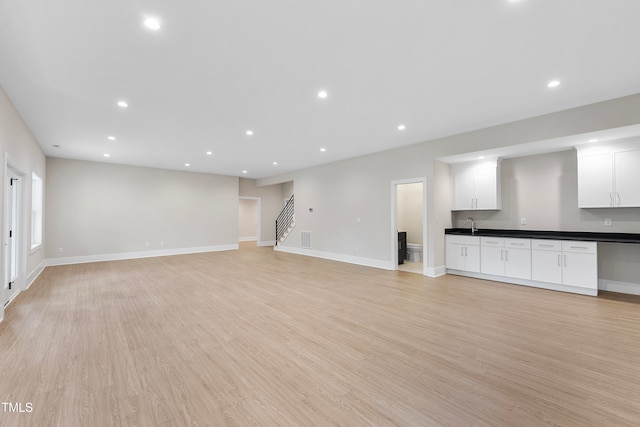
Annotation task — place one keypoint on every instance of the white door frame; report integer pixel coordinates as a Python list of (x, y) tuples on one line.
[(21, 243), (394, 220), (259, 203)]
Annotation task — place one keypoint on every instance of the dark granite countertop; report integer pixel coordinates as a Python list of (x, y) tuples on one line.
[(550, 235)]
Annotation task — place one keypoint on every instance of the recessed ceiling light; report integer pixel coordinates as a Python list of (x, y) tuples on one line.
[(553, 83), (122, 104), (249, 132), (481, 158), (275, 163), (244, 171), (187, 164), (323, 149), (209, 153), (401, 127), (594, 140), (323, 94), (111, 138), (152, 23), (107, 155)]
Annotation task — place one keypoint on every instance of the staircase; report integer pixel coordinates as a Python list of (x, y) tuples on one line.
[(285, 222)]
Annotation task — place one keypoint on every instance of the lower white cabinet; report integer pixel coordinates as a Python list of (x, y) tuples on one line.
[(570, 263), (463, 253), (505, 257), (563, 265)]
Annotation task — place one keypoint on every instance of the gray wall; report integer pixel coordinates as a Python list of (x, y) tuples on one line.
[(360, 187), (98, 208), (17, 142), (271, 200)]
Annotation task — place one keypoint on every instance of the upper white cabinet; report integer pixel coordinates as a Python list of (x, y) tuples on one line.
[(608, 176), (476, 186)]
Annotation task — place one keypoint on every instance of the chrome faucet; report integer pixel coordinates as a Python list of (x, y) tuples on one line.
[(473, 226)]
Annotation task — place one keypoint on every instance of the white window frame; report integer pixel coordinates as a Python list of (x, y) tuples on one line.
[(37, 206)]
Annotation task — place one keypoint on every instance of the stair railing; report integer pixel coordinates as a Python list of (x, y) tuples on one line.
[(284, 220)]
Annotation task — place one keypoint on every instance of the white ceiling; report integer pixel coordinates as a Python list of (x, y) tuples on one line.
[(218, 68)]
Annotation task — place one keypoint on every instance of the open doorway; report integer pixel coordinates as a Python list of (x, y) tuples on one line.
[(409, 224), (249, 219)]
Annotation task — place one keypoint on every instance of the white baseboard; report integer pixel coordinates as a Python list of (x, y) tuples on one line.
[(436, 271), (367, 262), (134, 255), (248, 239), (620, 287), (35, 273), (267, 243)]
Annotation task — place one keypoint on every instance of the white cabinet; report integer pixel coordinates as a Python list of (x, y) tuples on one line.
[(506, 257), (476, 186), (463, 253), (546, 261), (608, 176), (570, 263), (580, 264)]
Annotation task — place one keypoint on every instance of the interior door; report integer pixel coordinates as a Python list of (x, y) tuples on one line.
[(11, 236)]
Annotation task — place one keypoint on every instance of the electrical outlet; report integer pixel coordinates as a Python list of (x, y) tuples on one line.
[(60, 250), (523, 221), (607, 222)]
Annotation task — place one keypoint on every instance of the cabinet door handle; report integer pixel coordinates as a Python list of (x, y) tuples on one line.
[(466, 251), (610, 199), (461, 250), (546, 246), (476, 203), (565, 260), (619, 201), (558, 260), (472, 203), (506, 255), (501, 255)]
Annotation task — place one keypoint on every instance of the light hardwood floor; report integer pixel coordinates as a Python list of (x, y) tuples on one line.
[(256, 337)]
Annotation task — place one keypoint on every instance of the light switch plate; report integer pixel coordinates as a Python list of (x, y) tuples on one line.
[(607, 222)]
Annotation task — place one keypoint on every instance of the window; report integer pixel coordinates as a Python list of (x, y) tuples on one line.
[(36, 211)]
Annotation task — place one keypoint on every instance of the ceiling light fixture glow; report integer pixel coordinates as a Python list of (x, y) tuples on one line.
[(275, 163), (122, 104), (244, 171), (107, 155), (187, 164), (111, 138), (594, 140), (249, 132), (152, 23), (553, 83), (209, 153), (323, 149), (401, 127), (322, 94)]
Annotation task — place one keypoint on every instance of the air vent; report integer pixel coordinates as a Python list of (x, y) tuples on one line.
[(305, 239)]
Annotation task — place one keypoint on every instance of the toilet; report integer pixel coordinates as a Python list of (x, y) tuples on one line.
[(415, 252)]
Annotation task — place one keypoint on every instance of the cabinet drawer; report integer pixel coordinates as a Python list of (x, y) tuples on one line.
[(517, 243), (463, 240), (492, 241), (584, 247), (546, 245)]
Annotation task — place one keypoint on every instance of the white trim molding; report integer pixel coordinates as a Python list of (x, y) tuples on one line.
[(367, 262), (35, 273), (435, 271), (135, 255), (267, 243), (620, 287), (249, 239)]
